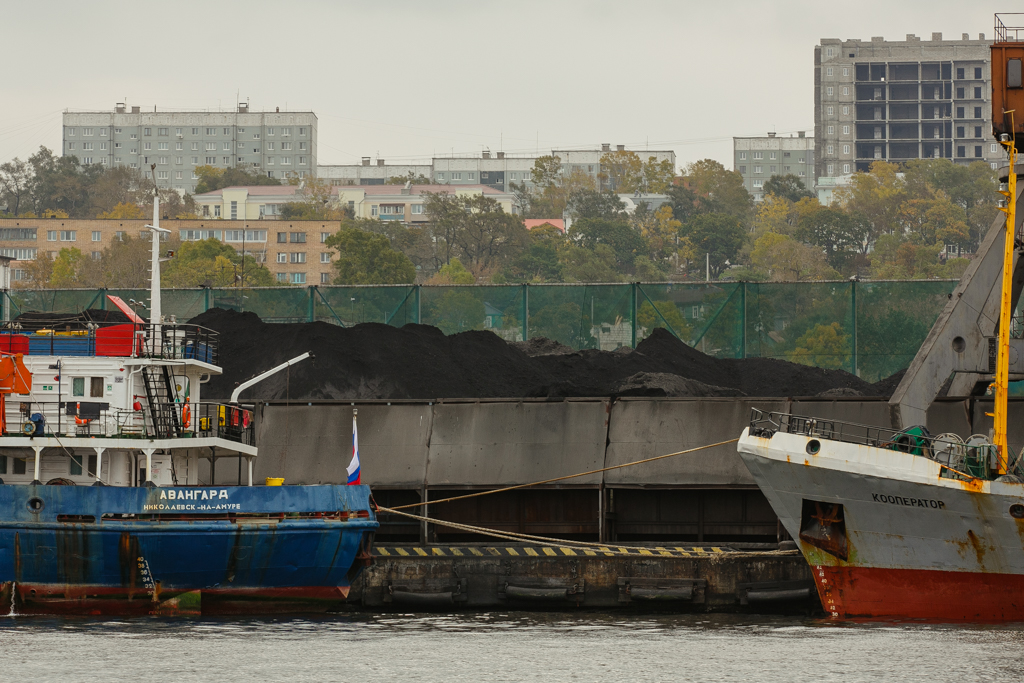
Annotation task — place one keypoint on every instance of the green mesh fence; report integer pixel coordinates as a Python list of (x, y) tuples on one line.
[(870, 328)]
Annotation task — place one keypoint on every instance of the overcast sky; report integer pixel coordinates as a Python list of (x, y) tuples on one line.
[(407, 79)]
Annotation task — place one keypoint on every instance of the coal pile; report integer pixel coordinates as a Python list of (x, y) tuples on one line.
[(35, 320), (375, 361)]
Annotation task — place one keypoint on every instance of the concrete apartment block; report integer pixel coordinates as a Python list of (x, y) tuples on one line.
[(497, 171), (901, 100), (589, 161), (386, 202), (758, 159), (278, 144), (294, 251)]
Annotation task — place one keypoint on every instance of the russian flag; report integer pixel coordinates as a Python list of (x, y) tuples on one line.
[(353, 467)]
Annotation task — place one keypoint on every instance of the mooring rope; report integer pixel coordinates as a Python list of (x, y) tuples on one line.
[(568, 476), (517, 537)]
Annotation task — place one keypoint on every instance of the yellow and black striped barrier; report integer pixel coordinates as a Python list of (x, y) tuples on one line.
[(543, 551)]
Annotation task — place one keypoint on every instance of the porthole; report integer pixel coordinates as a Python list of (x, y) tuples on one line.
[(35, 504), (959, 344), (813, 446), (1017, 511)]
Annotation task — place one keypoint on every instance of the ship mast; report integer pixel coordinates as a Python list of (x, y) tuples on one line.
[(155, 315), (1006, 304)]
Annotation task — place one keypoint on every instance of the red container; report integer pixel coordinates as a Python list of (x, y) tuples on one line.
[(14, 343), (115, 340)]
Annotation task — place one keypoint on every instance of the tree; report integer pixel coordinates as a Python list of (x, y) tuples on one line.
[(368, 259), (625, 242), (15, 185), (839, 233), (123, 211), (788, 187), (722, 190), (877, 195), (211, 263), (664, 314), (783, 259), (774, 214), (120, 185), (716, 237), (67, 269), (61, 183), (581, 264), (823, 346), (547, 171), (212, 178), (410, 177), (125, 263), (587, 203), (458, 311), (488, 235), (659, 228), (540, 261), (624, 171), (452, 273)]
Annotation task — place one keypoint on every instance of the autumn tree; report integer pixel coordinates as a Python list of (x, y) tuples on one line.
[(720, 190), (123, 211), (211, 263), (364, 258), (823, 346), (452, 273), (624, 171), (780, 258)]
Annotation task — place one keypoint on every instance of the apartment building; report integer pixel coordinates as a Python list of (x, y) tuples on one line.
[(279, 144), (387, 202), (294, 251), (759, 158), (901, 100), (589, 161), (498, 171)]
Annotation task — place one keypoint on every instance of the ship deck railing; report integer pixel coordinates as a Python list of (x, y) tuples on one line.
[(83, 419), (168, 341), (959, 459)]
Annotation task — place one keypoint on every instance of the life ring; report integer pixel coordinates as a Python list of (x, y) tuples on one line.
[(81, 420), (186, 416)]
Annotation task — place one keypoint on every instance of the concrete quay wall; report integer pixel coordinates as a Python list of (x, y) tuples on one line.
[(492, 443)]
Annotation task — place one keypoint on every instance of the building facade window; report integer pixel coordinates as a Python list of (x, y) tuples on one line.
[(325, 257)]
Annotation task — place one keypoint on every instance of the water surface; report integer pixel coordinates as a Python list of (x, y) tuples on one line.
[(506, 646)]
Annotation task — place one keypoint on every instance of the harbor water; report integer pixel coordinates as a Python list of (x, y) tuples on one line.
[(509, 646)]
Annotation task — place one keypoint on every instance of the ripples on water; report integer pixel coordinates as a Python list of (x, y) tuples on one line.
[(510, 646)]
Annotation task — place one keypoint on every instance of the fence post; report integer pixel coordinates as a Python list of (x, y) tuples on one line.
[(743, 320), (632, 311), (312, 302), (526, 311), (853, 317), (419, 317), (206, 299)]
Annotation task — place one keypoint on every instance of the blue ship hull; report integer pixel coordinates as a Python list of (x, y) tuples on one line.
[(182, 550)]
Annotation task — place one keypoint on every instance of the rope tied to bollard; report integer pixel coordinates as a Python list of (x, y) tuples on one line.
[(606, 548), (549, 481)]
